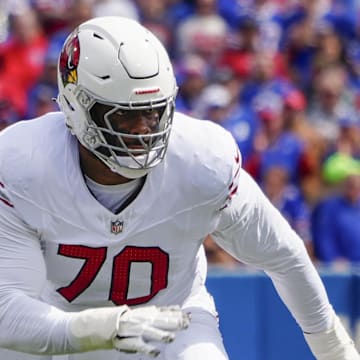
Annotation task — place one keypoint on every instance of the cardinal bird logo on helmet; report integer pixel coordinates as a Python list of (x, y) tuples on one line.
[(69, 59)]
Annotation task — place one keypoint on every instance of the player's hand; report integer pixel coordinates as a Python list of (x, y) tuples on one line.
[(138, 330), (125, 329)]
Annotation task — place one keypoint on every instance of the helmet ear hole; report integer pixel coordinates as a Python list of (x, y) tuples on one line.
[(97, 113)]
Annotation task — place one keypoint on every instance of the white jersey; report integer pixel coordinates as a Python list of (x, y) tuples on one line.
[(62, 251)]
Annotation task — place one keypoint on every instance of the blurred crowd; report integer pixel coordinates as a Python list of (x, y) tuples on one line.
[(281, 75)]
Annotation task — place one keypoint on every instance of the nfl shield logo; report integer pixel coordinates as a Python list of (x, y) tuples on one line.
[(116, 226)]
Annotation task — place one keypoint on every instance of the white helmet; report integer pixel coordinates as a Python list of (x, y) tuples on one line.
[(116, 62)]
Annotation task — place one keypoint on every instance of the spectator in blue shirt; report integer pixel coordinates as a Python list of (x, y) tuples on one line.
[(192, 77), (274, 144), (336, 225)]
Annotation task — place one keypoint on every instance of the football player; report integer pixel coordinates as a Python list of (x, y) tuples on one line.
[(104, 207)]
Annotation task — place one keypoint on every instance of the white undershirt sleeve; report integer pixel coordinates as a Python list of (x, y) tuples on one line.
[(253, 230), (26, 323)]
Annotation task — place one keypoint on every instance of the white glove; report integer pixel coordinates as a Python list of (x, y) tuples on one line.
[(333, 344), (126, 329), (136, 328)]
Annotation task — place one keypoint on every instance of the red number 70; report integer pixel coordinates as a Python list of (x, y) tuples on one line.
[(119, 282)]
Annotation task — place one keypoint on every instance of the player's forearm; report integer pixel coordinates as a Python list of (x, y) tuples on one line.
[(300, 287), (27, 325), (31, 326), (332, 344), (305, 296)]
